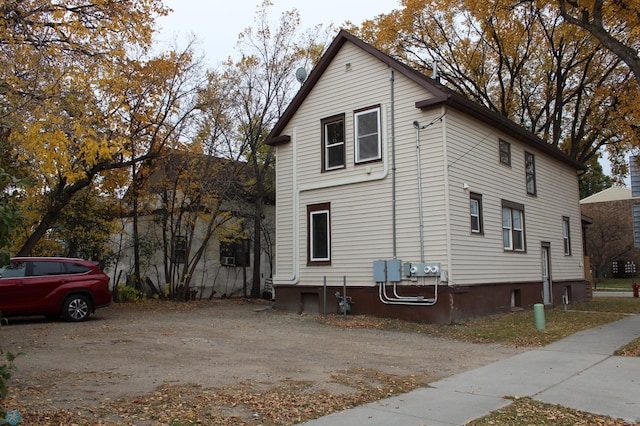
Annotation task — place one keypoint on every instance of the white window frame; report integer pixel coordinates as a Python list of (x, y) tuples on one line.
[(513, 231), (313, 212), (360, 137), (566, 235), (327, 146), (475, 200)]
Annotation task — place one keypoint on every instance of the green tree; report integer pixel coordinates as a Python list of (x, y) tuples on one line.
[(593, 180)]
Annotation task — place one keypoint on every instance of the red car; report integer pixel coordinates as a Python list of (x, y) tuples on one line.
[(54, 287)]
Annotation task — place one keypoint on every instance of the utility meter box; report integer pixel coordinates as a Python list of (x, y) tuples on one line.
[(422, 269)]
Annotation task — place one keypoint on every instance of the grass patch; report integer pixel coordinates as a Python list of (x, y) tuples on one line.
[(516, 328), (525, 411), (632, 349), (615, 284)]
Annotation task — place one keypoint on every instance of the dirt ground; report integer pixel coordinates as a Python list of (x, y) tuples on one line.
[(128, 350)]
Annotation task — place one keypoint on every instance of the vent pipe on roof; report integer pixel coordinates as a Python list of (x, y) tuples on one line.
[(434, 70)]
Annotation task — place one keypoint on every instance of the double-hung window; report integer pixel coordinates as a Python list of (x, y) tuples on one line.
[(505, 152), (475, 210), (566, 236), (530, 169), (513, 226), (333, 152), (368, 144), (319, 234)]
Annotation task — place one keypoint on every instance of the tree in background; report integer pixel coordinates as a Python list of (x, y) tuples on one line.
[(615, 24), (523, 61), (80, 102), (262, 83), (610, 237)]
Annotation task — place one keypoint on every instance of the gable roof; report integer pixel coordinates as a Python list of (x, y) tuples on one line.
[(614, 193), (441, 95)]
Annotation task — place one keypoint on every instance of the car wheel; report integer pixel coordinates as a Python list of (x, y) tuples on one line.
[(76, 308)]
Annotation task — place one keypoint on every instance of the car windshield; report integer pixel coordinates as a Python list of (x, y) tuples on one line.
[(13, 270)]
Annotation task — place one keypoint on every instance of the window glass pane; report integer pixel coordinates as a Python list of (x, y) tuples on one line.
[(74, 268), (368, 147), (13, 270), (517, 219), (333, 143), (505, 153), (518, 240), (334, 132), (46, 268), (335, 156), (368, 123), (565, 236), (530, 172), (506, 217), (320, 236), (475, 215), (506, 239), (367, 136)]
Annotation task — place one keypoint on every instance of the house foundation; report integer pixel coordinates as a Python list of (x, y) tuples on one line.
[(454, 303)]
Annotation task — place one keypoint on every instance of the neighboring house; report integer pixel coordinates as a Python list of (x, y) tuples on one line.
[(176, 210), (422, 204), (610, 239)]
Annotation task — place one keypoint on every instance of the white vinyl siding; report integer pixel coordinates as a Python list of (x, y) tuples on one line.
[(459, 155)]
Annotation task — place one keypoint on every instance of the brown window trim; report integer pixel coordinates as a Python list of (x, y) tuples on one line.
[(323, 123), (310, 209)]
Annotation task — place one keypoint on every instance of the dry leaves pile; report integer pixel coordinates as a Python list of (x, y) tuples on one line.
[(240, 404), (526, 411)]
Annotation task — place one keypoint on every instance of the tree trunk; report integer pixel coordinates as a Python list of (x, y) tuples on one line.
[(257, 249)]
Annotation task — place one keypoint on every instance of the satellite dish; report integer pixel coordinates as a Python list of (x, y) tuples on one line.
[(301, 75)]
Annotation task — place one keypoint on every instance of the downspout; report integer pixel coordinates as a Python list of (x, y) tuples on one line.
[(446, 193), (297, 191), (393, 165)]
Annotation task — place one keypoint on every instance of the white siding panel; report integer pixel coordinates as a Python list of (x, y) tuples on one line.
[(473, 160), (361, 211)]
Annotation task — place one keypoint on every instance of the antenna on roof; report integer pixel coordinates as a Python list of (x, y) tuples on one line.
[(301, 75)]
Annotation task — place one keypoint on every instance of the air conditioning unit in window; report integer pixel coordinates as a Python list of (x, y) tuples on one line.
[(228, 261)]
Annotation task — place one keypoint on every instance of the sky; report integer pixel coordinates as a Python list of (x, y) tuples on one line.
[(216, 24)]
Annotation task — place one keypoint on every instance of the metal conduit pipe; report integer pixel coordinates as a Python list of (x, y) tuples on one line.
[(409, 301), (397, 299)]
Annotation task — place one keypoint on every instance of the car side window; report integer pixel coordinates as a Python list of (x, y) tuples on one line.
[(14, 270), (39, 269), (74, 268)]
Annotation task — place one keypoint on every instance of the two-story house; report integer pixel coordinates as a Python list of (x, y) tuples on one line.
[(415, 201)]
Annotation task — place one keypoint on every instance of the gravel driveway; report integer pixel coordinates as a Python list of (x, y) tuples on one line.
[(128, 350)]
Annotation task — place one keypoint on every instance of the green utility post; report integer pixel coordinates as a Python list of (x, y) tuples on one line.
[(538, 313)]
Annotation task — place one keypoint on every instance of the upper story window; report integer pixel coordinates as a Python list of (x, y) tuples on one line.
[(319, 234), (475, 210), (566, 236), (530, 169), (333, 152), (367, 135), (513, 226), (505, 153)]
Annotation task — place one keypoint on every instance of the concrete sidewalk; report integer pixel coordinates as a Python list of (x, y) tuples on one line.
[(578, 372)]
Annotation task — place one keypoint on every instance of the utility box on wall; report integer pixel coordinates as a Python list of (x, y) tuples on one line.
[(387, 270)]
